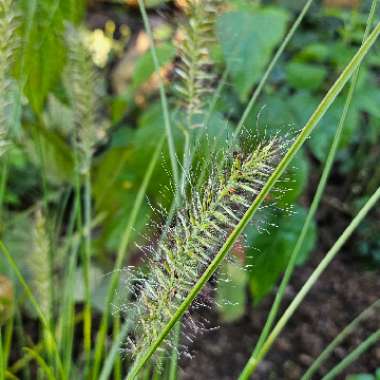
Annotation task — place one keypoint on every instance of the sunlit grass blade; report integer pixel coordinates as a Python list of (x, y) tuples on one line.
[(350, 328), (2, 359), (253, 362), (315, 202), (42, 364), (113, 352), (297, 144)]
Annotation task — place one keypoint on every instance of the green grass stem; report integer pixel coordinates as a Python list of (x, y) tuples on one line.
[(163, 98), (353, 355), (350, 328), (254, 361)]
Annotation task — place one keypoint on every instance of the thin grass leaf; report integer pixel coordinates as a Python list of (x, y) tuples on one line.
[(35, 305), (254, 361), (163, 98), (121, 255), (350, 328), (41, 362), (352, 356), (113, 352), (316, 200), (271, 65)]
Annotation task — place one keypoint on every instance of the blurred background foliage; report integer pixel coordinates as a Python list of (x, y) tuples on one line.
[(41, 163)]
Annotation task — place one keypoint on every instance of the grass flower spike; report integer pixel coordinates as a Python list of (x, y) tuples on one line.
[(198, 233), (40, 263), (83, 89), (194, 52), (8, 25)]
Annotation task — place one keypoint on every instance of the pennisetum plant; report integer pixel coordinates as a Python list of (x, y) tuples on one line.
[(152, 296), (198, 233), (206, 223), (83, 89), (195, 67), (195, 72)]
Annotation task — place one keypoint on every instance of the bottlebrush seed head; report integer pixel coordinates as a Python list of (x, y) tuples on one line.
[(199, 231), (82, 84), (8, 43), (194, 69)]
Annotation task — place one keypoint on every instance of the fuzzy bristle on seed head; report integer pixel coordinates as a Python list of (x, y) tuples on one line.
[(199, 231)]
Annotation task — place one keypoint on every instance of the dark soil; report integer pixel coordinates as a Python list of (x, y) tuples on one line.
[(344, 290)]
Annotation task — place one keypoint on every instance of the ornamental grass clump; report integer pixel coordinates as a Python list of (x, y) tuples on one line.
[(199, 231)]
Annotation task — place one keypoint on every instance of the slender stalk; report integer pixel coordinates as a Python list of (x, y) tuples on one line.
[(35, 305), (86, 270), (3, 183), (338, 339), (174, 356), (352, 356), (46, 369), (164, 101), (297, 144), (121, 254), (7, 342), (113, 353), (254, 361), (2, 359), (272, 64), (187, 153), (315, 202), (117, 362)]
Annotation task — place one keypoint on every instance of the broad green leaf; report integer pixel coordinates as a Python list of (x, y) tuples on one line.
[(294, 180), (231, 291), (145, 67), (314, 52), (248, 40), (305, 75), (43, 53), (271, 250), (142, 72), (320, 140), (115, 185), (150, 130), (272, 115), (52, 149)]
